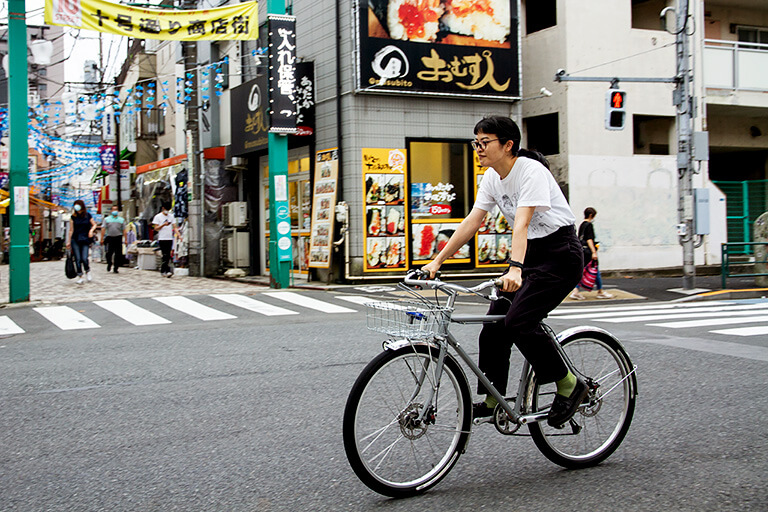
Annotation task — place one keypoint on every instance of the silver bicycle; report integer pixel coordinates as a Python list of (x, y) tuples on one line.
[(408, 417)]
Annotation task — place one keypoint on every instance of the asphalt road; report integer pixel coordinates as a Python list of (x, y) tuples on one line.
[(245, 414)]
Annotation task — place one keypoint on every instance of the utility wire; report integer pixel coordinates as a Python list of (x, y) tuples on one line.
[(621, 59)]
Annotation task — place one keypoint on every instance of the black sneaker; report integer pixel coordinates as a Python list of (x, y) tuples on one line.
[(109, 267), (564, 407), (481, 410)]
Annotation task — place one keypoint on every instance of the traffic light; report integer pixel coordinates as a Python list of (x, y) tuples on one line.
[(615, 113)]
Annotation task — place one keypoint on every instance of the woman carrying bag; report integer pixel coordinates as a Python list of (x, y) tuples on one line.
[(590, 278), (81, 229)]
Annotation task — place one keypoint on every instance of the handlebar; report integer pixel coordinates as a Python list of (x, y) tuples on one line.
[(414, 278)]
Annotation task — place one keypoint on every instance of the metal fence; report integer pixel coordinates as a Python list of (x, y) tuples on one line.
[(745, 202), (760, 262)]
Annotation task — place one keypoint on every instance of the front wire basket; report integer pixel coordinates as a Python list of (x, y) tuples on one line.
[(409, 319)]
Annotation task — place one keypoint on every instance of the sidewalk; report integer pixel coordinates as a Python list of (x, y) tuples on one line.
[(48, 284)]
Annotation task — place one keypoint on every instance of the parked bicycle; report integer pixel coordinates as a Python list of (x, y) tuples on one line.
[(408, 417)]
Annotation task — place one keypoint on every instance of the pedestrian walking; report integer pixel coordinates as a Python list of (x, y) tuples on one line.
[(545, 263), (165, 225), (590, 246), (112, 237), (81, 229)]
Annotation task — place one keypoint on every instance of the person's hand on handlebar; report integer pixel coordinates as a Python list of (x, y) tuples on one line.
[(512, 279), (431, 268)]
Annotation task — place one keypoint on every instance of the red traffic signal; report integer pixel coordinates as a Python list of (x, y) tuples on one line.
[(615, 113)]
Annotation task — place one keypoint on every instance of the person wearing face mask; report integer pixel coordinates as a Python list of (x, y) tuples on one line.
[(81, 229), (112, 235), (165, 225)]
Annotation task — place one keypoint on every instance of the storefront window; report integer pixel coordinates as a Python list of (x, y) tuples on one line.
[(442, 194)]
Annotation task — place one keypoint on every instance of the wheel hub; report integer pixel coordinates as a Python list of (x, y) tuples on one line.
[(410, 425)]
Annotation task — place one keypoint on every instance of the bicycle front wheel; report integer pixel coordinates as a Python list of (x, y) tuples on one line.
[(397, 443), (600, 425)]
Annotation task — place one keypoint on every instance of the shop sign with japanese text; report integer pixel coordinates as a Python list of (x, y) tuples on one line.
[(282, 73), (249, 122), (455, 48), (305, 98), (231, 22)]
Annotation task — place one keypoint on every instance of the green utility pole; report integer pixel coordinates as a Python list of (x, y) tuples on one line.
[(18, 280), (279, 208)]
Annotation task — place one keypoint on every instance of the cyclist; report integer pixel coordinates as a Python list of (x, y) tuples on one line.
[(545, 264)]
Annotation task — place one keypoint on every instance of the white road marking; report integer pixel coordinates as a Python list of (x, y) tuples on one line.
[(745, 331), (357, 299), (66, 318), (253, 305), (193, 308), (708, 322), (8, 326), (309, 302), (130, 312)]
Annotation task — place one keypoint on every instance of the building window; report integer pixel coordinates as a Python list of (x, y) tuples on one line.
[(653, 135), (441, 195), (752, 35), (543, 133), (645, 13), (539, 14)]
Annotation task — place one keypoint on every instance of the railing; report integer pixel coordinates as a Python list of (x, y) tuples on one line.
[(760, 259), (735, 65)]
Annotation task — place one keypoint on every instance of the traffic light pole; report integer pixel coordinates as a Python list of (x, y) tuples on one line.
[(683, 100), (18, 280)]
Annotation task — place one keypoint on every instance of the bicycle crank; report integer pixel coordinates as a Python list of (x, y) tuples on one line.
[(502, 422)]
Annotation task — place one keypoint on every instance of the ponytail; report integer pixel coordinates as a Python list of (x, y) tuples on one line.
[(534, 155)]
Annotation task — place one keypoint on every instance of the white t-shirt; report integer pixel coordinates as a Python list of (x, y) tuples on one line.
[(529, 183), (166, 232)]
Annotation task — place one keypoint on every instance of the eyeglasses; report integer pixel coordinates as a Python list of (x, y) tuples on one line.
[(481, 144)]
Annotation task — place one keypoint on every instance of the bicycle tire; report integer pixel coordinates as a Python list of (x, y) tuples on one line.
[(390, 454), (597, 430)]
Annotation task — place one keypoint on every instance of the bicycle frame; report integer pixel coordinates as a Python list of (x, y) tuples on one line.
[(445, 339)]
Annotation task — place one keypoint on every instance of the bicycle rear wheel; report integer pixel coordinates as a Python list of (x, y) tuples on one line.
[(388, 448), (599, 426)]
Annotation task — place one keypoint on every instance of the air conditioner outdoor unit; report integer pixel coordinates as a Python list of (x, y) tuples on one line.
[(235, 214), (242, 252)]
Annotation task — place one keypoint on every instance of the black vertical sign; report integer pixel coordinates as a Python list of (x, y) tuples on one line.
[(282, 73)]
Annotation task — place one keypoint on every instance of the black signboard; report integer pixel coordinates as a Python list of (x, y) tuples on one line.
[(458, 48), (305, 98), (249, 116), (282, 73)]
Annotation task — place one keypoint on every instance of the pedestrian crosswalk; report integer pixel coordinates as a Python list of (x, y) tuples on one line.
[(752, 317), (161, 310)]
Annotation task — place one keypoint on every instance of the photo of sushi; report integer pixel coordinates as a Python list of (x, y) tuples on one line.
[(486, 247), (373, 253), (503, 243), (372, 189), (393, 190), (424, 237), (457, 22), (489, 20), (394, 256), (374, 221), (394, 215), (502, 226), (442, 239)]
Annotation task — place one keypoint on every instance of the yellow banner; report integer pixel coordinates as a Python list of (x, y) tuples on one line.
[(232, 22)]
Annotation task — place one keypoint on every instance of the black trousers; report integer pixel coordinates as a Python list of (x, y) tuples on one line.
[(165, 248), (553, 267), (114, 250)]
